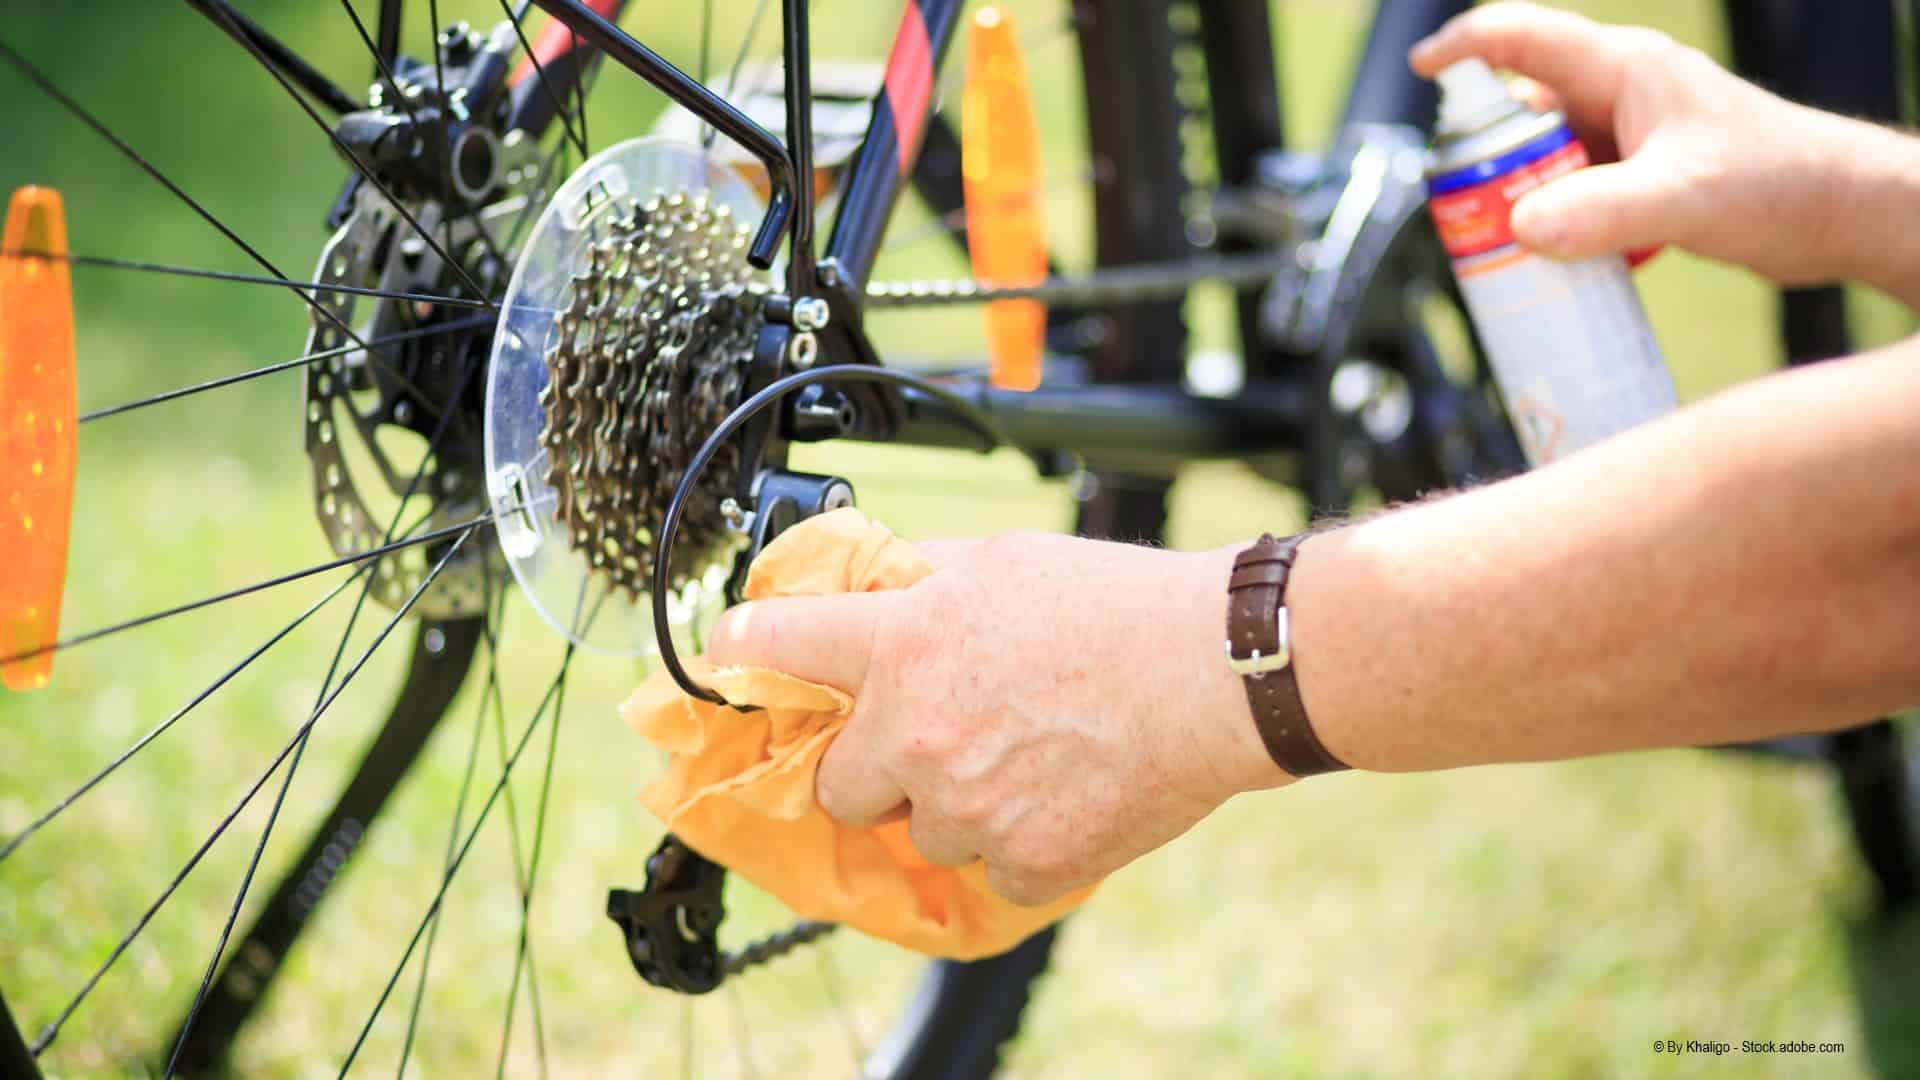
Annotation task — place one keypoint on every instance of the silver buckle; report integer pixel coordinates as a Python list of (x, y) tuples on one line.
[(1255, 666)]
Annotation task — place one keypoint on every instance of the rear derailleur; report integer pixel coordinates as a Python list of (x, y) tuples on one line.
[(671, 924)]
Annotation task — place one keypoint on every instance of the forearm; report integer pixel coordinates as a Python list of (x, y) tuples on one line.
[(1746, 567), (1860, 189)]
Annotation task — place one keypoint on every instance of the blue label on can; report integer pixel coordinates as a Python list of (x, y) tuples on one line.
[(1519, 157)]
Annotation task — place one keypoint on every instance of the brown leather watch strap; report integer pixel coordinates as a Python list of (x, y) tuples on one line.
[(1256, 598)]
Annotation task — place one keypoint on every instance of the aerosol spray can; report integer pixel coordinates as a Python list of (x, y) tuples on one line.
[(1568, 341)]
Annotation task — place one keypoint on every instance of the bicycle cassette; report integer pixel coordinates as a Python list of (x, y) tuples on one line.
[(624, 340)]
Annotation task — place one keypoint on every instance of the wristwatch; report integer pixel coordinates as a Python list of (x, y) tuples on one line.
[(1260, 651)]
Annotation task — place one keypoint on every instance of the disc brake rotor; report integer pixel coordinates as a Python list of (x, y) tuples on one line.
[(624, 340), (414, 379)]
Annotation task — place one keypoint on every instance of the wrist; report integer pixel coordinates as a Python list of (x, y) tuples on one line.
[(1320, 587), (1237, 757), (1862, 201)]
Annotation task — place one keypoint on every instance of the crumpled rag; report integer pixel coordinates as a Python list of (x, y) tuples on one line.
[(739, 788)]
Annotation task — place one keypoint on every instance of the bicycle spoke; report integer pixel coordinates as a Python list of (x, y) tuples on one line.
[(303, 73), (706, 39), (523, 960), (284, 365), (525, 951), (299, 748), (390, 544), (830, 976), (540, 73), (1033, 40), (385, 72), (362, 167), (742, 1030), (161, 728), (109, 263), (580, 91), (480, 820), (52, 1029), (296, 747), (496, 607), (321, 568), (321, 700), (47, 86), (708, 134), (440, 84)]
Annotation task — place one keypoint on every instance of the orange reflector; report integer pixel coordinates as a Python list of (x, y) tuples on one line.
[(37, 432), (1006, 195)]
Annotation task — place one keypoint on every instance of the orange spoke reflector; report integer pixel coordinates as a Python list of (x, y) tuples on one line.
[(1006, 195), (37, 432)]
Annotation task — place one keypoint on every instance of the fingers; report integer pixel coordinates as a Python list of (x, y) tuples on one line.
[(853, 785), (1584, 62), (1602, 210), (823, 639), (1536, 94)]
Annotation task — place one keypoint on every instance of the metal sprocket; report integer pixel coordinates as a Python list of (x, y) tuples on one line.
[(654, 337)]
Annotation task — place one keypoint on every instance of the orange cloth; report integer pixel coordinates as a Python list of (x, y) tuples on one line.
[(739, 789)]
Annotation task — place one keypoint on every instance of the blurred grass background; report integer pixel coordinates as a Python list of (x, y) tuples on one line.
[(1519, 921)]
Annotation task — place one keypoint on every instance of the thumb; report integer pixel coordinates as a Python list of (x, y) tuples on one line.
[(1602, 210), (823, 639)]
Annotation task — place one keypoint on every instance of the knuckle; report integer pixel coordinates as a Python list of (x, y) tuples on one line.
[(1034, 856), (970, 810), (1016, 888), (906, 642), (1519, 23), (1644, 43), (928, 744)]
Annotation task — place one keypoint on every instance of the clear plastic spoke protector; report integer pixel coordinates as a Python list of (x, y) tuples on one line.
[(556, 576)]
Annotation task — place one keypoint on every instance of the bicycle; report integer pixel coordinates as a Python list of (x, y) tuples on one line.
[(1356, 378)]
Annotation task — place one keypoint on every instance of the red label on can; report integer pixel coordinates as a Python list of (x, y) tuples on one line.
[(1475, 220)]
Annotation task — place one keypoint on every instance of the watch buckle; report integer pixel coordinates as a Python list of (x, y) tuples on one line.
[(1258, 665)]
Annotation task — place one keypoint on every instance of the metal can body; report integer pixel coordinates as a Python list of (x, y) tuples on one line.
[(1568, 341)]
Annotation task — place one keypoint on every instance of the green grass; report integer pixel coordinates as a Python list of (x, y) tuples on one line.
[(1519, 921)]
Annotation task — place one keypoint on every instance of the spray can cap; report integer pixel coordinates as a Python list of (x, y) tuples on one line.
[(1472, 96)]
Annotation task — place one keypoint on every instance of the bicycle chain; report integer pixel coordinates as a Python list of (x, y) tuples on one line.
[(774, 946), (1112, 285)]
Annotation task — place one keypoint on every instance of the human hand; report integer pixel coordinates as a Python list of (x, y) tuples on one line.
[(1692, 155), (1052, 705)]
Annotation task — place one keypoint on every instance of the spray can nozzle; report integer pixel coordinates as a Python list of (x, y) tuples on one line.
[(1472, 96)]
